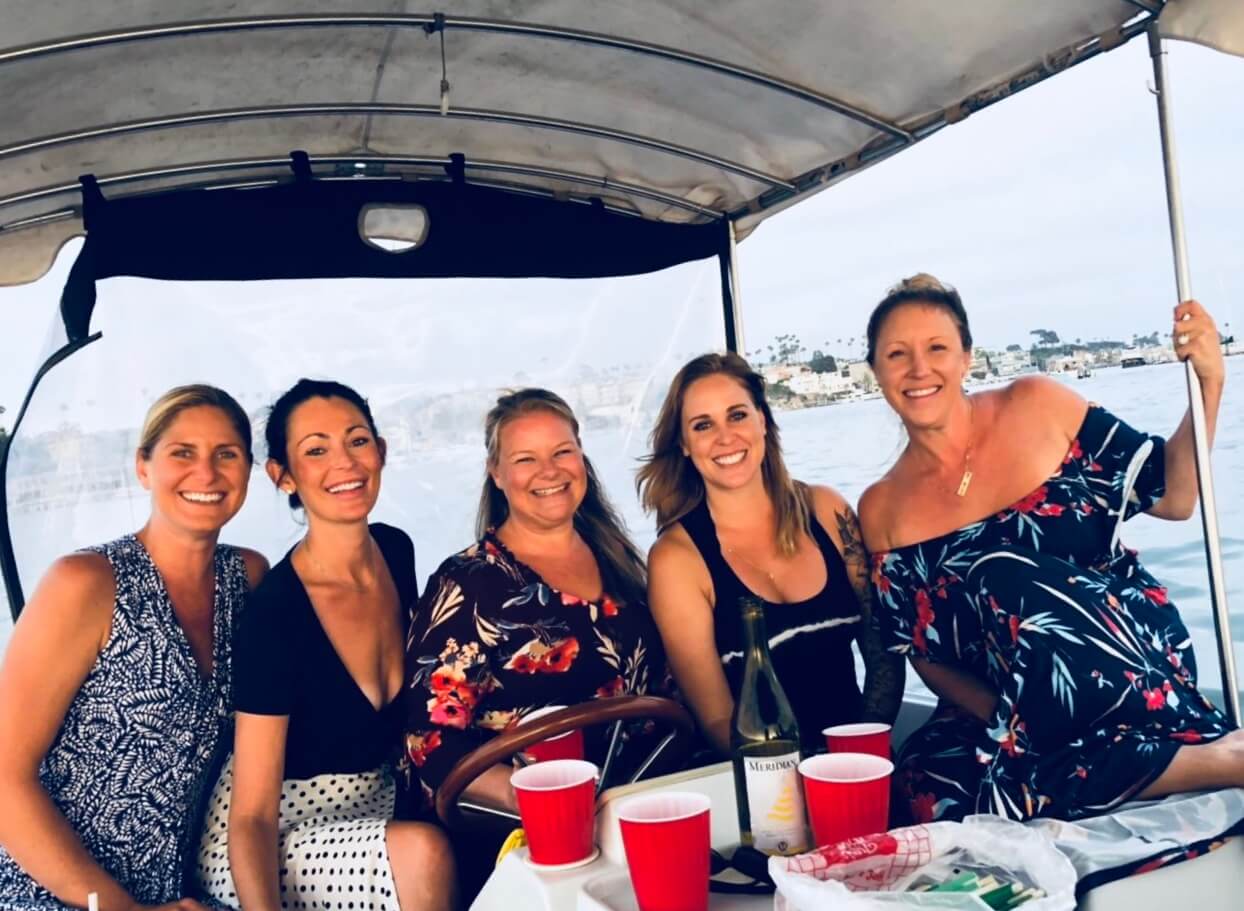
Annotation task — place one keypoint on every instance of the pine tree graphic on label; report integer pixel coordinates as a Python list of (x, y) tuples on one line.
[(785, 807)]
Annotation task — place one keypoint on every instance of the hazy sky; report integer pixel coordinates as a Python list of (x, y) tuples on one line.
[(1046, 210)]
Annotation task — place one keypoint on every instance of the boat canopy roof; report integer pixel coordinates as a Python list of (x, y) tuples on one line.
[(671, 110)]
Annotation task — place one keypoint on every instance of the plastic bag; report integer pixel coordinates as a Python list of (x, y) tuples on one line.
[(879, 871)]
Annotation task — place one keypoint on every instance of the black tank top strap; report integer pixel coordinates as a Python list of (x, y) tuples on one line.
[(836, 575), (727, 587)]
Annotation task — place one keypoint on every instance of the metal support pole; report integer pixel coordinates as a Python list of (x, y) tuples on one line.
[(1205, 478), (732, 312)]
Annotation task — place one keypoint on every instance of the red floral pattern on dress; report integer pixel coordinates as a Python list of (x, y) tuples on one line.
[(418, 747), (922, 807), (1157, 595), (614, 687), (1092, 667), (1035, 504), (492, 642), (924, 619), (536, 657)]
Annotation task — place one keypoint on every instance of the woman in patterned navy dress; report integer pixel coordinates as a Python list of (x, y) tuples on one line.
[(1067, 680), (115, 690)]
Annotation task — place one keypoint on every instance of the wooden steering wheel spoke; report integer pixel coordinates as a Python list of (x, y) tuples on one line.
[(585, 714)]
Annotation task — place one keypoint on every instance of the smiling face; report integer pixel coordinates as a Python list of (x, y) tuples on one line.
[(540, 469), (723, 432), (197, 471), (333, 462), (920, 363)]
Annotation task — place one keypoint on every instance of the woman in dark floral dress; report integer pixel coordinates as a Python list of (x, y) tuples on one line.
[(1067, 680), (547, 608)]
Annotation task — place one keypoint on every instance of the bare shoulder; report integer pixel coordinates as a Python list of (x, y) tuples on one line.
[(82, 577), (875, 513), (673, 552), (256, 566), (1041, 397), (77, 590), (836, 516), (827, 502), (678, 577)]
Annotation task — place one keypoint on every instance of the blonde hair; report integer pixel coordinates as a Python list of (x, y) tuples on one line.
[(669, 484), (622, 567), (167, 407)]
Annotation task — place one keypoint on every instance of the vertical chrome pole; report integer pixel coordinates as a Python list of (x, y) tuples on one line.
[(736, 308), (1205, 478)]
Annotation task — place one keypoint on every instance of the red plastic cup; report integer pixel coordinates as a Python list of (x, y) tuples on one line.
[(557, 803), (847, 795), (666, 839), (867, 737), (564, 746)]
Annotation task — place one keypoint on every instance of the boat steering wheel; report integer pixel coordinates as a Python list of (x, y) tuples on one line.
[(585, 714)]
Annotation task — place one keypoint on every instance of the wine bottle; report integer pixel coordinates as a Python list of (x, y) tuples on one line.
[(764, 746)]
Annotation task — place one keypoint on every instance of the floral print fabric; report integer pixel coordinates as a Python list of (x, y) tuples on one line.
[(1093, 666), (492, 641)]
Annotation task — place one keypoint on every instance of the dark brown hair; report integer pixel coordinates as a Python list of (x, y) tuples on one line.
[(276, 431)]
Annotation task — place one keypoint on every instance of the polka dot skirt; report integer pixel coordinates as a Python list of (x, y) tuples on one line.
[(330, 843)]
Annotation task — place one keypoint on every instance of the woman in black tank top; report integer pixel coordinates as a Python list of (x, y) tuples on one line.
[(734, 524)]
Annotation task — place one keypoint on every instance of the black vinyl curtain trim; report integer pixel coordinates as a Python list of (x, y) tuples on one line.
[(310, 229), (8, 559)]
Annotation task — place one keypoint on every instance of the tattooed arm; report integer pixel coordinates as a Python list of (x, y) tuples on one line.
[(884, 671)]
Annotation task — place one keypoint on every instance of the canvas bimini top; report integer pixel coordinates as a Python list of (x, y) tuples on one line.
[(672, 110)]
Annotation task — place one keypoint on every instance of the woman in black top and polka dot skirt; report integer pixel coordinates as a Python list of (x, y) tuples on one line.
[(302, 816)]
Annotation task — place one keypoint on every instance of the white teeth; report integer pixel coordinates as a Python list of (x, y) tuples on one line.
[(203, 497), (733, 459), (549, 491), (920, 393), (348, 485)]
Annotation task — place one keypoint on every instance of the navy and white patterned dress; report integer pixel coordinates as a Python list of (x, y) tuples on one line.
[(130, 764), (1093, 667)]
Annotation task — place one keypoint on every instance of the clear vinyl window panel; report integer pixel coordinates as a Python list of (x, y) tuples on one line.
[(430, 355)]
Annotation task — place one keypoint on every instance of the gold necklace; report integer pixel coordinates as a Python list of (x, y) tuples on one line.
[(966, 480), (733, 552)]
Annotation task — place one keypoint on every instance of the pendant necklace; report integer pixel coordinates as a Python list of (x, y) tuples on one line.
[(966, 480), (734, 553)]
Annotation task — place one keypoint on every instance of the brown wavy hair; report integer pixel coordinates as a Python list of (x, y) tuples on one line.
[(621, 566), (669, 484)]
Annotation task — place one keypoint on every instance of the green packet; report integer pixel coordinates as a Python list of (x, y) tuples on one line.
[(999, 896)]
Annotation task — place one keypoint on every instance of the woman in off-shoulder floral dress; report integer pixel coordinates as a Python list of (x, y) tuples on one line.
[(1045, 603), (1066, 679)]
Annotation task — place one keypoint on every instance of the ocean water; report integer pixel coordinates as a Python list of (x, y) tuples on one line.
[(847, 446), (431, 492)]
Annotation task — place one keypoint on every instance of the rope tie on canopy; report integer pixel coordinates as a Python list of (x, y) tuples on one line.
[(437, 26)]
